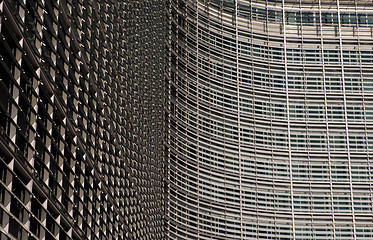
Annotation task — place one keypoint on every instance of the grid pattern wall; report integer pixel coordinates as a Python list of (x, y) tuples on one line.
[(82, 119), (271, 119)]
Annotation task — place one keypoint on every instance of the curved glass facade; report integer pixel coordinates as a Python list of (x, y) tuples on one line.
[(271, 119)]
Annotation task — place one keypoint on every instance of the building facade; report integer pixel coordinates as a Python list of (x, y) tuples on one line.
[(271, 119), (82, 102), (257, 123)]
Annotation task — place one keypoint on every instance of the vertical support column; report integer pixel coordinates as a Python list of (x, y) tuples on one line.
[(168, 109), (168, 123), (346, 119), (326, 118), (197, 116), (238, 114), (288, 118)]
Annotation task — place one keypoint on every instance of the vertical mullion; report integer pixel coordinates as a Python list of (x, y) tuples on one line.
[(288, 118), (197, 118), (326, 118), (346, 119), (238, 115)]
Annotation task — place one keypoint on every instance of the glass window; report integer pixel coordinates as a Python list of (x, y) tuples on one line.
[(370, 19), (290, 17), (345, 19), (307, 18), (362, 18), (327, 19)]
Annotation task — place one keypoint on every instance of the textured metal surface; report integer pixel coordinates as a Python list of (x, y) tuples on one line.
[(82, 102), (271, 120)]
